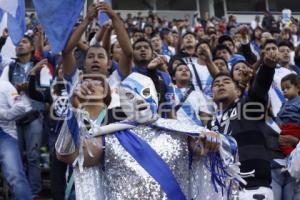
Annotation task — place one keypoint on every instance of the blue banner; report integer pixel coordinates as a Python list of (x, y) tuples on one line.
[(151, 162), (58, 19), (15, 24)]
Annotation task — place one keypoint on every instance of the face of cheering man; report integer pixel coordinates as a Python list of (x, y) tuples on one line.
[(142, 53), (225, 91)]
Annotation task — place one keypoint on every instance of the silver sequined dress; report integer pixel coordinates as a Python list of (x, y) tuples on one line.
[(125, 179), (88, 183)]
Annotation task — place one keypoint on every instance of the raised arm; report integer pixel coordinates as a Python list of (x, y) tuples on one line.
[(67, 54), (106, 38), (123, 39), (245, 48), (206, 56), (264, 78), (39, 39)]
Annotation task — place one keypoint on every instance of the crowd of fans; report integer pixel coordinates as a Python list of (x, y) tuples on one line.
[(201, 68)]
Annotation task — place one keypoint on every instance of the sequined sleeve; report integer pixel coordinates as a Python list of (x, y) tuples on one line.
[(89, 183)]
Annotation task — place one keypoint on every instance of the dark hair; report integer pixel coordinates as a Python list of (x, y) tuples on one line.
[(154, 34), (179, 64), (224, 38), (228, 75), (136, 30), (203, 42), (97, 46), (293, 78), (253, 33), (239, 61), (171, 61), (286, 43), (30, 39), (220, 47), (148, 25), (174, 72), (221, 74), (269, 41), (219, 58), (189, 33), (141, 40), (164, 32)]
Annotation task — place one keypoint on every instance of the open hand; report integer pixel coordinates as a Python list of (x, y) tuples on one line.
[(92, 12), (107, 9)]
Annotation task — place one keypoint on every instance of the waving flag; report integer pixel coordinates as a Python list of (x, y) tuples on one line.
[(58, 18), (15, 10), (102, 16)]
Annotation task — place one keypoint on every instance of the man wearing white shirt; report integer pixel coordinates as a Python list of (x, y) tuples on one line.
[(282, 69), (191, 106), (30, 126), (12, 107)]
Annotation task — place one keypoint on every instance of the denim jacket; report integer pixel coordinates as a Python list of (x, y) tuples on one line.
[(290, 111)]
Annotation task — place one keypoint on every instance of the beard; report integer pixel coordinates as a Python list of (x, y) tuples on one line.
[(142, 62), (21, 54)]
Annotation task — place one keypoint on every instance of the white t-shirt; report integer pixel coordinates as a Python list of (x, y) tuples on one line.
[(12, 107), (195, 103), (275, 93), (203, 74)]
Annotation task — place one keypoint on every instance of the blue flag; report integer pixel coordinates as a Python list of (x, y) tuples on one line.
[(103, 17), (15, 18), (151, 162), (58, 18)]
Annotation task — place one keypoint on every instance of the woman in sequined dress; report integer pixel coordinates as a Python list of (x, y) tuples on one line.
[(125, 173)]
